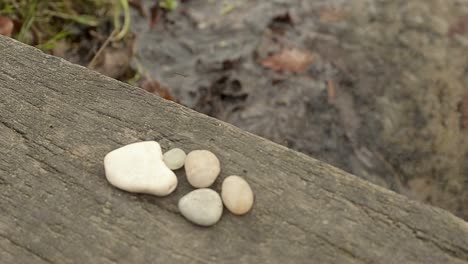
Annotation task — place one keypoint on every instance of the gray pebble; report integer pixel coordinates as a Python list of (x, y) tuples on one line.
[(202, 207), (174, 158)]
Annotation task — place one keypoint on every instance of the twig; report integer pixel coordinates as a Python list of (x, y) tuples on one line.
[(101, 49)]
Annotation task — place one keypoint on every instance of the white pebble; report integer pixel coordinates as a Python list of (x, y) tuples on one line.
[(237, 195), (202, 207), (139, 168), (174, 158), (202, 168)]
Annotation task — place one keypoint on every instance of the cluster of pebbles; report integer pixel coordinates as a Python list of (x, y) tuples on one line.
[(142, 168)]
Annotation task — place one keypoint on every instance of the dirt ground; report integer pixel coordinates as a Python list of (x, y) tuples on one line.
[(376, 88)]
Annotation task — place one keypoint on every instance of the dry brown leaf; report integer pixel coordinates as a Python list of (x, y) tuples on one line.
[(331, 15), (459, 28), (113, 62), (155, 87), (6, 26), (291, 60)]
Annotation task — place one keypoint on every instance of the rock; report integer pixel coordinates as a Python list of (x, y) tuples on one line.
[(174, 158), (139, 168), (237, 195), (202, 207), (202, 168)]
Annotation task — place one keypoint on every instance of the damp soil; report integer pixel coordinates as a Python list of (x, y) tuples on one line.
[(382, 98)]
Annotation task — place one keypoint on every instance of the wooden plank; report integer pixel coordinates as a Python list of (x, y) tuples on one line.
[(58, 120)]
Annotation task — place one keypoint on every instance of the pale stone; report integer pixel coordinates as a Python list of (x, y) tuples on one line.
[(237, 195), (202, 207), (174, 158), (139, 168), (202, 168)]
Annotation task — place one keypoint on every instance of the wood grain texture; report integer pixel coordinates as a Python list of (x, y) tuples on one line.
[(58, 120)]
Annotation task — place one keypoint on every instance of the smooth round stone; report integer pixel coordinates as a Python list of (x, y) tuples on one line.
[(237, 195), (202, 207), (139, 168), (202, 167), (174, 158)]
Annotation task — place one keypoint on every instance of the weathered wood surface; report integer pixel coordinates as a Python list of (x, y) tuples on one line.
[(58, 120)]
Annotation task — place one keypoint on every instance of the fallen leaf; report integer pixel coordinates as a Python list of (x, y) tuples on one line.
[(6, 26), (114, 62), (155, 87), (459, 28), (331, 15), (291, 60)]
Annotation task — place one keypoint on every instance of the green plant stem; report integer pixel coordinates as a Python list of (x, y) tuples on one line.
[(126, 26), (29, 20)]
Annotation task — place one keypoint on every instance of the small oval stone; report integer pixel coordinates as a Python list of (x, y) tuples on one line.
[(237, 195), (202, 167), (174, 158), (202, 207)]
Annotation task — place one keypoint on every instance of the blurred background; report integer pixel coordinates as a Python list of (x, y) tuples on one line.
[(376, 88)]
